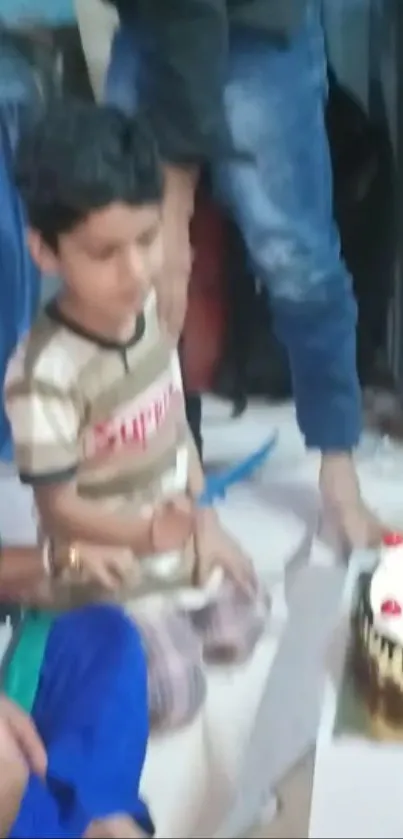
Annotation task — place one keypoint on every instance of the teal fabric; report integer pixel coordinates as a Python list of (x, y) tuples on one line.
[(21, 677)]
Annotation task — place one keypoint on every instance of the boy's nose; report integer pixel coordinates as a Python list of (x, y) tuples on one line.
[(135, 267)]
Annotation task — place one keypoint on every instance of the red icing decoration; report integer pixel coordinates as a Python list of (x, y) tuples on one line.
[(391, 608), (391, 540)]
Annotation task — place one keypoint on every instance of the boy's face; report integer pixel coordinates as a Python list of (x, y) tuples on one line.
[(110, 261)]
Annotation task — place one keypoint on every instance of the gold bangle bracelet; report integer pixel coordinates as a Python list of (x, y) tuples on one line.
[(75, 563), (47, 558)]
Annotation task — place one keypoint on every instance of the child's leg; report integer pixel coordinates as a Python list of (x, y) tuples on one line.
[(91, 711), (231, 626), (175, 670)]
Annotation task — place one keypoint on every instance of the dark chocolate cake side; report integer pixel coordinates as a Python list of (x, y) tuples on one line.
[(376, 663)]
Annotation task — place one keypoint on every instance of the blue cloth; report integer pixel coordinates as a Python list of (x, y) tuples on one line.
[(55, 13), (91, 711), (280, 192), (19, 287)]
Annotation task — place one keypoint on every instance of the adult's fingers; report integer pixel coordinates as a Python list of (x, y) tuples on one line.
[(25, 734)]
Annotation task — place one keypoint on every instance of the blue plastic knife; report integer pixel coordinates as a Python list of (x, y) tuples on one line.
[(217, 485)]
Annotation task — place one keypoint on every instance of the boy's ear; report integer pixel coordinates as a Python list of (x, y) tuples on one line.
[(44, 257)]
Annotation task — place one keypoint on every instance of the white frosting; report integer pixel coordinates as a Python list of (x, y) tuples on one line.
[(386, 594)]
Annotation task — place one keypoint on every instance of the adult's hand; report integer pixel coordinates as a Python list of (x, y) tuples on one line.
[(20, 743), (342, 500), (21, 752), (119, 826), (109, 568), (98, 571)]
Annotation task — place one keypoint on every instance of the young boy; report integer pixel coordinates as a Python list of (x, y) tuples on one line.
[(94, 398)]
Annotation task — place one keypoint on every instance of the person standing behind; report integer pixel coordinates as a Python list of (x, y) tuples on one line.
[(20, 277), (241, 87)]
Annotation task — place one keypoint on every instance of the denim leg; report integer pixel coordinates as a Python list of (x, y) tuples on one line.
[(123, 76), (280, 192), (19, 290)]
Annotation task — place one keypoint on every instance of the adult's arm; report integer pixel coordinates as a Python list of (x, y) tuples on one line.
[(22, 574), (24, 580)]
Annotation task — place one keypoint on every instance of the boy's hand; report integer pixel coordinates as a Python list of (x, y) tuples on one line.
[(172, 524), (216, 548)]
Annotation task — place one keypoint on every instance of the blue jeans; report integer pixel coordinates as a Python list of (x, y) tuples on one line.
[(280, 193), (19, 287)]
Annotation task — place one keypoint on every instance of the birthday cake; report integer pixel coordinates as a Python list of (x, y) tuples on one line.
[(377, 648)]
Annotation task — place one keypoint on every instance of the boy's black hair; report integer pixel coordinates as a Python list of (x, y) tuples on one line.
[(79, 157)]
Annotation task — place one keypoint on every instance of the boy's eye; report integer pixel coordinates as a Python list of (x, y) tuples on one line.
[(105, 254), (147, 238)]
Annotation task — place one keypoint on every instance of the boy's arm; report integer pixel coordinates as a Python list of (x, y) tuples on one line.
[(196, 479), (45, 423), (214, 546), (23, 576), (196, 484), (67, 515)]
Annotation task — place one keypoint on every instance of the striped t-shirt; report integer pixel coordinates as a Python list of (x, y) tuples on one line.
[(110, 416)]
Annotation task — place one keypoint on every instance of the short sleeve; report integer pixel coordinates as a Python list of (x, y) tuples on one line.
[(45, 425), (176, 372)]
